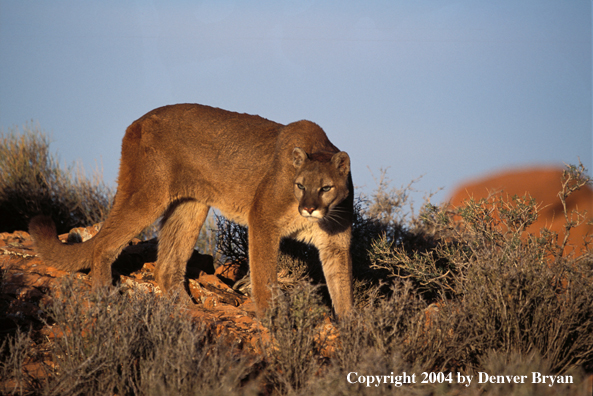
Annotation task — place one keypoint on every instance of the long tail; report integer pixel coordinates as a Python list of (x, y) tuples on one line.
[(55, 253)]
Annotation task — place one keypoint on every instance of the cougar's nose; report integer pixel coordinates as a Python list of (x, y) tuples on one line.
[(309, 209)]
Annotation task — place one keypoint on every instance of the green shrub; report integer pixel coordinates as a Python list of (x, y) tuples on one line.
[(32, 182)]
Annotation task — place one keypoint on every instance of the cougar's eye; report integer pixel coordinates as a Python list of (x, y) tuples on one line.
[(300, 186), (326, 188)]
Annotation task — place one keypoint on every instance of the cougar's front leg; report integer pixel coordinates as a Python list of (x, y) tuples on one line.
[(263, 255), (334, 252)]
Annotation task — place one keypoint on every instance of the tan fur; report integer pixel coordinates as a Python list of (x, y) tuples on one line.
[(178, 161)]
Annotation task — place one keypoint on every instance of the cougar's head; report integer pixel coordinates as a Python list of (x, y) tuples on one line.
[(320, 183)]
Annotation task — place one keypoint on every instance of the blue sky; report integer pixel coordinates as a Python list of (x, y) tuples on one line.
[(445, 89)]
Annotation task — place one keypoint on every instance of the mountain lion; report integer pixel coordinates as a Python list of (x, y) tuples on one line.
[(177, 161)]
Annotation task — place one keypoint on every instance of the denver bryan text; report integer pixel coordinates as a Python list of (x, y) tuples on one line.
[(536, 378)]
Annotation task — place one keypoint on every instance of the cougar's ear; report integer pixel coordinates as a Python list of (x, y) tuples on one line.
[(298, 157), (341, 161)]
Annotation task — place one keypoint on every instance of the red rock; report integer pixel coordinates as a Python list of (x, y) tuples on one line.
[(231, 272), (81, 234), (149, 266), (213, 280)]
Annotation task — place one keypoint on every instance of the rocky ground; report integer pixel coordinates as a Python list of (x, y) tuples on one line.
[(28, 281)]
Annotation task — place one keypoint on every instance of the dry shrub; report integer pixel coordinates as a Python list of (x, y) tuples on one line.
[(113, 341), (16, 352), (497, 287), (32, 182), (297, 260), (294, 320)]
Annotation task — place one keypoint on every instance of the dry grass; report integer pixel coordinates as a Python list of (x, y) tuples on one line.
[(32, 182)]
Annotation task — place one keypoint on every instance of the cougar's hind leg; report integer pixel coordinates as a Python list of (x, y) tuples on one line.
[(179, 232), (127, 219), (143, 194)]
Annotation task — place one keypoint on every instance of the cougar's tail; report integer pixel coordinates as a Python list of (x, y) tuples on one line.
[(55, 253)]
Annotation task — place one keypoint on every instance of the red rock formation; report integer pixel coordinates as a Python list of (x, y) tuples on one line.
[(542, 184)]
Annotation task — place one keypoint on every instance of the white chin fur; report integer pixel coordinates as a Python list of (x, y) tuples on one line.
[(311, 216)]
